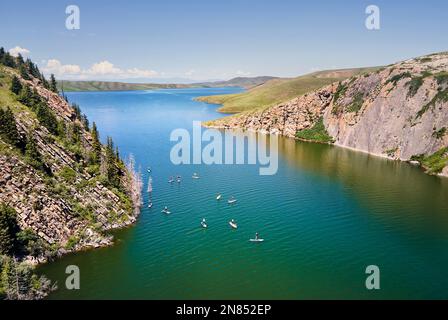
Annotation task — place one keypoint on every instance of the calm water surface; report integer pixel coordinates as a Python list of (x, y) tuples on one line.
[(326, 215)]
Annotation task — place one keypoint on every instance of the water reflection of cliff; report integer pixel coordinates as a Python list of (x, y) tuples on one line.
[(394, 190)]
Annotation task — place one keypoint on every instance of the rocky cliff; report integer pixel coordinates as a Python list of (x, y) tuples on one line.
[(63, 194), (400, 112)]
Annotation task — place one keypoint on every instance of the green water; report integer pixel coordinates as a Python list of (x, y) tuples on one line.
[(326, 215)]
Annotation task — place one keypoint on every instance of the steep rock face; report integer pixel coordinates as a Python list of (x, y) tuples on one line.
[(68, 212), (400, 111), (285, 119), (50, 217), (386, 119)]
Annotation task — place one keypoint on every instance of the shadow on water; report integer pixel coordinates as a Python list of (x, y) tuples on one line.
[(395, 191)]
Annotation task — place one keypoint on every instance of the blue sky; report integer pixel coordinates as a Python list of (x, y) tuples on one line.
[(199, 40)]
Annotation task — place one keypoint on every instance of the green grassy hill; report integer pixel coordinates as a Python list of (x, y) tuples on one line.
[(245, 82), (112, 86), (280, 90)]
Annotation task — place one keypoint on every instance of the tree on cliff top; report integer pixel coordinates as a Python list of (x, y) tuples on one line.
[(53, 84), (6, 59)]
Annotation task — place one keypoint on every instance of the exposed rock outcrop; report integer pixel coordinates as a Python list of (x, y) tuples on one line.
[(68, 207), (285, 119), (400, 112)]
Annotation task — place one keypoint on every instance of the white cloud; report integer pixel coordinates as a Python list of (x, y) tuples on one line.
[(100, 70), (55, 66), (18, 50), (103, 68)]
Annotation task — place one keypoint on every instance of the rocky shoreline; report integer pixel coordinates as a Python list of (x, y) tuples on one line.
[(62, 198), (399, 112)]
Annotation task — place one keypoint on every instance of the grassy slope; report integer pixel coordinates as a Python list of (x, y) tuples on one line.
[(279, 90), (110, 86), (244, 82), (7, 98)]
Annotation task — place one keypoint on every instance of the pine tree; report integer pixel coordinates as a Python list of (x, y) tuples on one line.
[(47, 118), (6, 279), (24, 72), (85, 122), (76, 133), (44, 82), (32, 68), (16, 86), (6, 243), (32, 154), (8, 229), (77, 110), (19, 59), (6, 59), (113, 173), (96, 144), (53, 84), (25, 96), (8, 127), (117, 154), (10, 279)]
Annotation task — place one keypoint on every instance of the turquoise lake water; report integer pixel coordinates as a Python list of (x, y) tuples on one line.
[(326, 215)]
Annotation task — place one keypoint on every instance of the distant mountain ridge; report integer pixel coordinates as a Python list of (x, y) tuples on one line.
[(245, 82)]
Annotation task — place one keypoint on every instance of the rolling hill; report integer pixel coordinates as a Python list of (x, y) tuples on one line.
[(280, 90), (399, 112), (244, 82)]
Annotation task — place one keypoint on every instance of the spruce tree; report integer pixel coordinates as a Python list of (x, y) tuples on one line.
[(6, 243), (47, 118), (113, 173), (96, 144), (77, 110), (44, 82), (6, 280), (8, 229), (85, 122), (16, 86), (32, 154), (117, 154), (53, 84), (26, 96), (32, 68), (24, 72), (19, 59), (8, 60), (76, 133), (8, 127)]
